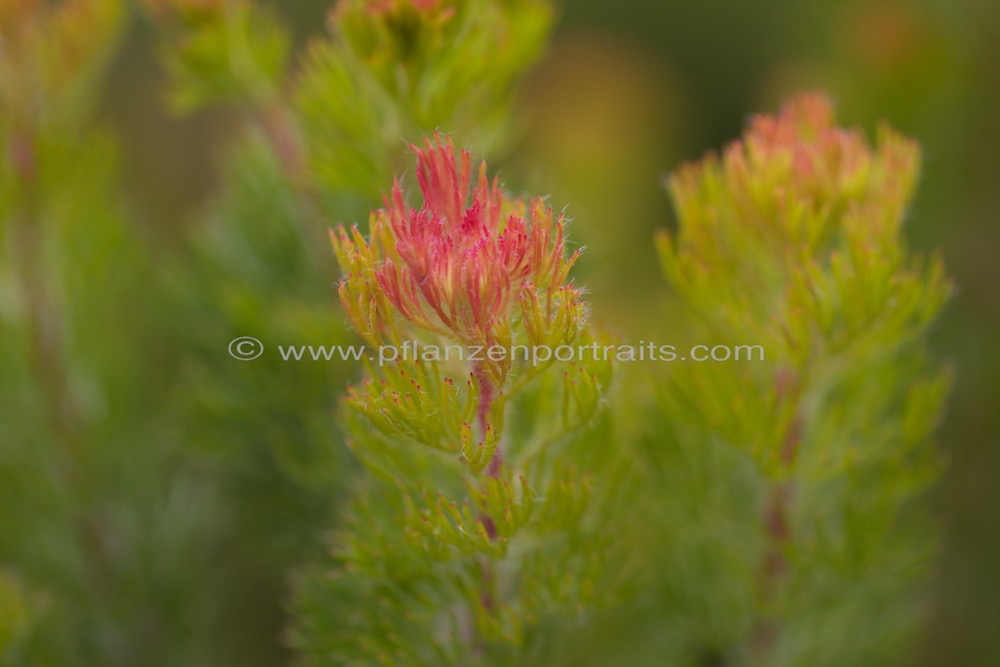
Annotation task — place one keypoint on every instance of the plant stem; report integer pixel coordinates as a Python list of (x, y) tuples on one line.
[(777, 529)]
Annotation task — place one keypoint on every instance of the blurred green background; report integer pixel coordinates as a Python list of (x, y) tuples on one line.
[(631, 89)]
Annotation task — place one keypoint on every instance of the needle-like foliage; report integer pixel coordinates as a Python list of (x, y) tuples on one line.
[(483, 513)]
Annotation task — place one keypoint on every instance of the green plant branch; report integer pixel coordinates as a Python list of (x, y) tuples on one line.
[(47, 354)]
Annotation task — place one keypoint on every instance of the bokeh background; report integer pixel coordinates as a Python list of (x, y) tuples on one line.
[(631, 89)]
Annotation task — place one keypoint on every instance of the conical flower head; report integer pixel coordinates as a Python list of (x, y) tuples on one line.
[(820, 160), (795, 179), (453, 264)]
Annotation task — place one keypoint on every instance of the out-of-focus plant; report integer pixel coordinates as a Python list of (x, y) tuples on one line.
[(482, 519), (153, 490), (12, 614), (99, 539), (781, 514), (406, 67), (387, 72)]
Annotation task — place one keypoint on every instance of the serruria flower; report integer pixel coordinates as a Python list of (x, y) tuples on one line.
[(469, 265), (795, 179), (822, 160), (457, 264)]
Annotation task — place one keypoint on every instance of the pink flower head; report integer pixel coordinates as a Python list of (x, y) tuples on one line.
[(460, 256), (821, 158), (795, 177)]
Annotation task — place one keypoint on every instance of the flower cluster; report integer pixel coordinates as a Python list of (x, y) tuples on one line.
[(802, 138), (469, 266), (794, 178), (392, 30), (462, 263)]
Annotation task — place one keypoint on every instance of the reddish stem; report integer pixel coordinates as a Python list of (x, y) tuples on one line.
[(778, 532)]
